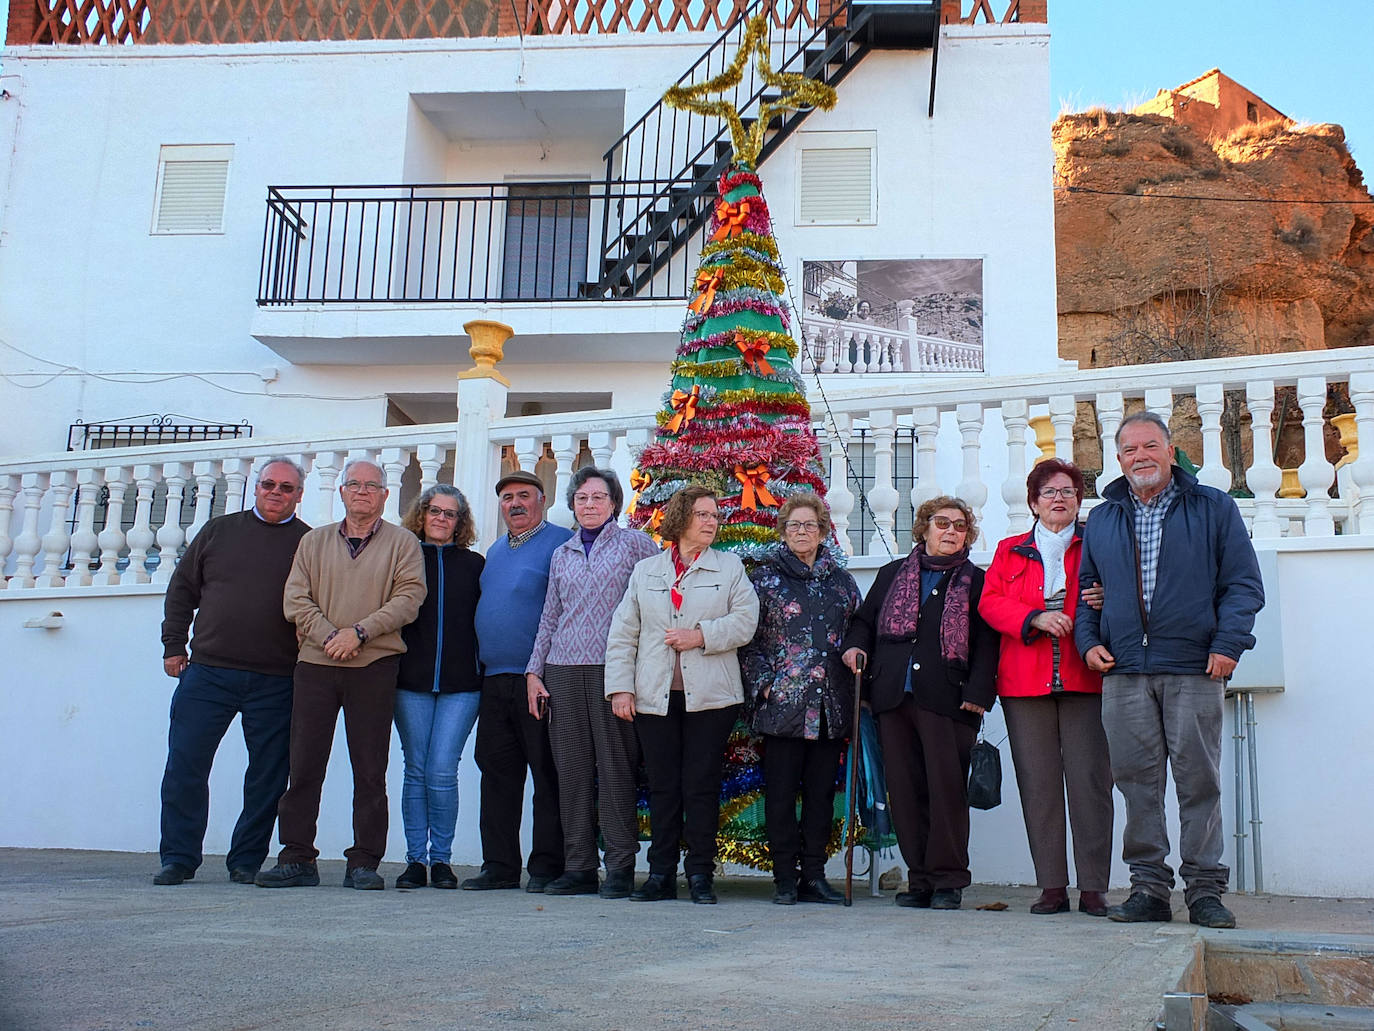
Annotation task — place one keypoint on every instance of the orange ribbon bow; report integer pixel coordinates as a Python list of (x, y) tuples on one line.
[(655, 521), (753, 482), (707, 282), (731, 218), (639, 480), (685, 407), (755, 353)]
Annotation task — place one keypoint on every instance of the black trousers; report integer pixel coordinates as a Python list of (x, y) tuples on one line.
[(684, 755), (791, 764), (510, 742), (926, 759)]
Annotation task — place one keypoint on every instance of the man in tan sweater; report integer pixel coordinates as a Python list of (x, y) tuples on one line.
[(352, 587)]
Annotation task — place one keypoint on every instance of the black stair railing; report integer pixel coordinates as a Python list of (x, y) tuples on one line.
[(675, 156)]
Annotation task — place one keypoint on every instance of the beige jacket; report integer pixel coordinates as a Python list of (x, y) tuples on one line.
[(718, 600)]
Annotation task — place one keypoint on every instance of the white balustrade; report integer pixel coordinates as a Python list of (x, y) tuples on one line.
[(1211, 401), (328, 467), (61, 484), (393, 461), (839, 497), (140, 536), (26, 545), (170, 535), (84, 539), (1160, 400), (206, 480), (430, 458), (236, 471), (926, 424), (1015, 420), (9, 489), (1263, 477), (971, 487), (111, 538), (883, 497), (1362, 469), (564, 453), (602, 446), (1063, 412), (1111, 409), (1315, 473)]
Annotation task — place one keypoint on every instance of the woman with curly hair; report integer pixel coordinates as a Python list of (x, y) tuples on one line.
[(439, 684), (931, 674)]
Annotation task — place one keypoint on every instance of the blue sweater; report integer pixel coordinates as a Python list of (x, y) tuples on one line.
[(513, 586)]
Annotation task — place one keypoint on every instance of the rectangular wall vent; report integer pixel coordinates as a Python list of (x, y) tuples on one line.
[(191, 186)]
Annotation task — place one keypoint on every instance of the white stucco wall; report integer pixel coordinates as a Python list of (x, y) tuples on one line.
[(99, 319), (85, 712)]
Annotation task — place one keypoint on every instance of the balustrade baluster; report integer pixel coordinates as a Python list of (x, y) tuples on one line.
[(972, 488), (883, 497), (1063, 412), (926, 421), (838, 495), (431, 459), (9, 489), (1015, 419), (84, 540), (393, 461), (27, 544), (205, 498), (830, 359), (899, 362), (1315, 473), (846, 364), (636, 440), (141, 536), (170, 534), (111, 538), (1160, 400), (811, 334), (1361, 470), (327, 467), (236, 472), (884, 348), (564, 453), (1211, 401), (1111, 409), (602, 447), (61, 484), (1263, 477)]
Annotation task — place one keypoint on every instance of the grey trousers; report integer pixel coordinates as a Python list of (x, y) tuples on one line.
[(595, 755), (1057, 742), (1173, 718)]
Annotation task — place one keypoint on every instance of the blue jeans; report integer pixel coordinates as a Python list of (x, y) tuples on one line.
[(433, 729), (206, 700)]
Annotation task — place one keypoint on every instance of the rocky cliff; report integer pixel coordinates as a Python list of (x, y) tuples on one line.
[(1143, 262)]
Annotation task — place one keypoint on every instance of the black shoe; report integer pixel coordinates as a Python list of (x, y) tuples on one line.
[(415, 876), (657, 887), (538, 883), (363, 879), (1142, 907), (817, 889), (289, 875), (441, 875), (573, 882), (488, 881), (947, 898), (618, 883), (173, 873), (784, 893), (702, 887), (919, 899), (243, 874), (1209, 912), (1051, 901)]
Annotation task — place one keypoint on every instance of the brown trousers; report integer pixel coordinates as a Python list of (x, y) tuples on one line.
[(926, 759), (367, 696), (1057, 742)]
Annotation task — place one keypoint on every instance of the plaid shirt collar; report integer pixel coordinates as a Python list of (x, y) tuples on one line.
[(515, 540)]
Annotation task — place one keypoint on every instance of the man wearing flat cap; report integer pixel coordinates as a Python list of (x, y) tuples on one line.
[(510, 740)]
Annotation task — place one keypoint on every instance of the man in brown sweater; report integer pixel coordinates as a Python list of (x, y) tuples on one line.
[(352, 587)]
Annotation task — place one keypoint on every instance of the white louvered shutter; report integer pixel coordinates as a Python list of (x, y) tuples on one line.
[(191, 190), (836, 185)]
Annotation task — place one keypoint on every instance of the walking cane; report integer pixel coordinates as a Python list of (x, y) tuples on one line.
[(851, 791)]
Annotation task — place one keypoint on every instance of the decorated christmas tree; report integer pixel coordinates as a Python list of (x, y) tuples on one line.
[(735, 417)]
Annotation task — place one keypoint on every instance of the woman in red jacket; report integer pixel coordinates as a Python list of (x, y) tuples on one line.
[(1052, 701)]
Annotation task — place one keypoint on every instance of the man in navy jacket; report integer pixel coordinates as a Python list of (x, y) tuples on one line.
[(1181, 586)]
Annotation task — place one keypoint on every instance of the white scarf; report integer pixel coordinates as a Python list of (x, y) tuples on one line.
[(1052, 545)]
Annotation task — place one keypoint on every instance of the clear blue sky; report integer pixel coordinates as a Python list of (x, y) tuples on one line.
[(1310, 60)]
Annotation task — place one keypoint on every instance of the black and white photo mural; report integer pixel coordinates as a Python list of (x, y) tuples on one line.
[(908, 315)]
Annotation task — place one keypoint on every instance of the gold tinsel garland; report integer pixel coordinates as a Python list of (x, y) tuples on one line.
[(747, 241)]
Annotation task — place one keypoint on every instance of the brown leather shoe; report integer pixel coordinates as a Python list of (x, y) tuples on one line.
[(1051, 900), (1094, 903)]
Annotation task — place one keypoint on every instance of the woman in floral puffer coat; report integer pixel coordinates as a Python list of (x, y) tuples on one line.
[(799, 693)]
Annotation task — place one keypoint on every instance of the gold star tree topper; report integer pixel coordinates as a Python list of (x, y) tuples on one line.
[(796, 92)]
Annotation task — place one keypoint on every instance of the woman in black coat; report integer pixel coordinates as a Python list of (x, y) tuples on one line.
[(439, 684), (799, 694), (931, 674)]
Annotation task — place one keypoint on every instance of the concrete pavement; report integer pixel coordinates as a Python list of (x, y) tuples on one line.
[(89, 944)]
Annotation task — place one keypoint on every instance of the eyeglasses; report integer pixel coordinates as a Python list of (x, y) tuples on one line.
[(1050, 493), (706, 517), (273, 487), (590, 499), (944, 523), (796, 526), (446, 514), (354, 487)]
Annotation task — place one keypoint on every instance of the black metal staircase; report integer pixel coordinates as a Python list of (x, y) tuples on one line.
[(673, 158)]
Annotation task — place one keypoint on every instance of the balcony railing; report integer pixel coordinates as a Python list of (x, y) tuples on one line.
[(444, 242)]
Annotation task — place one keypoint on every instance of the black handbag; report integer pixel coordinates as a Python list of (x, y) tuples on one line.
[(984, 776)]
